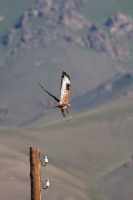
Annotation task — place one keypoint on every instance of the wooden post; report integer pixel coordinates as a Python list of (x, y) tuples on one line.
[(35, 173)]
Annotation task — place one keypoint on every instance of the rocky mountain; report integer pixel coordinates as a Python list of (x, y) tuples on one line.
[(65, 23), (102, 42), (120, 25)]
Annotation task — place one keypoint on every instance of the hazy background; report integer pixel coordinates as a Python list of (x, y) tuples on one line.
[(92, 40)]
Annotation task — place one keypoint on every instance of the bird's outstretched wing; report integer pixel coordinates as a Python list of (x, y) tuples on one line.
[(49, 93), (65, 88)]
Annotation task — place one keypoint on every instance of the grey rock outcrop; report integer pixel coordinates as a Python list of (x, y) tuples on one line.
[(100, 41), (121, 25), (73, 20)]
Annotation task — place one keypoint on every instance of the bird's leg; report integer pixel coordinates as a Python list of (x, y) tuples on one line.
[(67, 111), (62, 110)]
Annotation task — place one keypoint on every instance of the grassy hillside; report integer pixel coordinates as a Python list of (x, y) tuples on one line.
[(10, 11), (97, 11), (101, 139), (120, 86), (26, 73)]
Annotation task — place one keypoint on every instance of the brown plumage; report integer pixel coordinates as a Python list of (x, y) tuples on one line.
[(64, 94)]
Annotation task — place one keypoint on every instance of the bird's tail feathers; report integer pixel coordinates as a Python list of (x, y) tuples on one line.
[(55, 106)]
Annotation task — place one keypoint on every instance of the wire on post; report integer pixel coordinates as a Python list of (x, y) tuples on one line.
[(45, 161), (47, 184)]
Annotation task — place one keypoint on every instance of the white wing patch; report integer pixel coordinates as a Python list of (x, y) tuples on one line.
[(63, 92)]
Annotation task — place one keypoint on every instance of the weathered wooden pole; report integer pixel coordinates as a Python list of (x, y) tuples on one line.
[(35, 174)]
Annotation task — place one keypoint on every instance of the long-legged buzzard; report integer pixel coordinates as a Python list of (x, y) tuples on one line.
[(64, 94)]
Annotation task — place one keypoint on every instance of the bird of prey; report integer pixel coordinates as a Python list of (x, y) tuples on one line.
[(64, 95)]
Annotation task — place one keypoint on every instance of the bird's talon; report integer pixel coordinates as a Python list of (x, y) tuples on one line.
[(70, 116)]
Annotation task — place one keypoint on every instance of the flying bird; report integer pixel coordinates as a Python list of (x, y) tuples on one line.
[(64, 95)]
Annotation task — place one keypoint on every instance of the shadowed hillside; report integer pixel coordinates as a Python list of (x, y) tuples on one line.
[(120, 86)]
